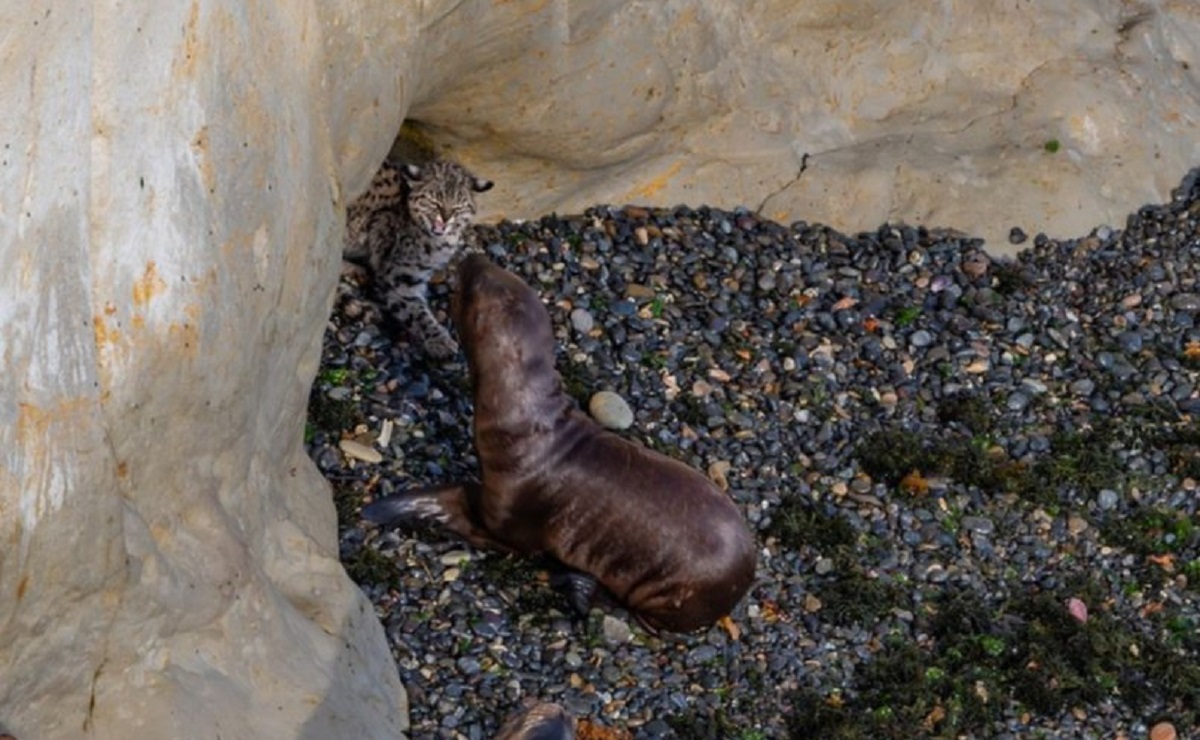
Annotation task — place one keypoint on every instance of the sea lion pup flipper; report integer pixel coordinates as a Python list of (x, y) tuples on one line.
[(539, 721), (580, 588), (449, 505)]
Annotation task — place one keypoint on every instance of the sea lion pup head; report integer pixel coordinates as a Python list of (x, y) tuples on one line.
[(538, 721), (508, 339)]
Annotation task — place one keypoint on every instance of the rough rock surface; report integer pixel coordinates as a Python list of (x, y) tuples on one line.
[(168, 555), (927, 113)]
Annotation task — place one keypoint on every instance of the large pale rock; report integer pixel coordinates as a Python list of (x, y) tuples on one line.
[(169, 227), (934, 113)]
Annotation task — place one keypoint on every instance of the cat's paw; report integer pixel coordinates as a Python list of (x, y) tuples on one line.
[(441, 347)]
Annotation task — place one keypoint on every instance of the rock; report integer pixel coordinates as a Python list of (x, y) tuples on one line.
[(360, 451), (638, 292), (718, 472), (456, 557), (616, 631), (610, 410), (1185, 302), (978, 524), (582, 320), (1163, 731), (975, 119), (1108, 499), (1083, 387), (178, 255), (976, 266)]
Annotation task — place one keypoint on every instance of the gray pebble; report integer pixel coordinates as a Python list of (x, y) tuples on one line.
[(610, 410), (616, 631), (921, 338), (1017, 401), (978, 524), (1107, 499), (582, 320), (1186, 302)]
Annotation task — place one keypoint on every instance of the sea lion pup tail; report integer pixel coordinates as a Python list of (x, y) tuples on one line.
[(451, 506), (539, 721)]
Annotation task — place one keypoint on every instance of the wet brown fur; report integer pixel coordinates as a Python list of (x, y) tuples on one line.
[(658, 535)]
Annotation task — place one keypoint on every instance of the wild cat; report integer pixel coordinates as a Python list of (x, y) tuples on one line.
[(409, 224)]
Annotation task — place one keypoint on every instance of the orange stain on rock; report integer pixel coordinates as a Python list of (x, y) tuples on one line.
[(148, 285), (186, 335), (208, 172), (184, 65), (103, 333), (652, 188), (35, 424)]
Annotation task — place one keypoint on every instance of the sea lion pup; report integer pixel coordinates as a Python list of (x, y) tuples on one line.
[(658, 535), (538, 721)]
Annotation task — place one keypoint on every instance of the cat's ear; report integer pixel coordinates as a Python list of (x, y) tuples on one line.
[(480, 184), (411, 171)]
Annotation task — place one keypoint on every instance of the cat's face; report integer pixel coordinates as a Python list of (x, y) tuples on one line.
[(441, 198)]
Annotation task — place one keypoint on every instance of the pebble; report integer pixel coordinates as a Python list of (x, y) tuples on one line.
[(1108, 499), (1185, 302), (1163, 731), (1017, 401), (616, 631), (976, 266), (360, 451), (610, 410), (639, 292), (978, 524), (582, 320)]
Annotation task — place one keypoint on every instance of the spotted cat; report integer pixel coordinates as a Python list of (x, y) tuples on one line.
[(409, 224)]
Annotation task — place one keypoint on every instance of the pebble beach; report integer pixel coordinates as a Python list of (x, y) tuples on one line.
[(974, 480)]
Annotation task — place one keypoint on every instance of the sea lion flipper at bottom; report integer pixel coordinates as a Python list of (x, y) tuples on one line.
[(448, 505), (538, 721), (579, 587)]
